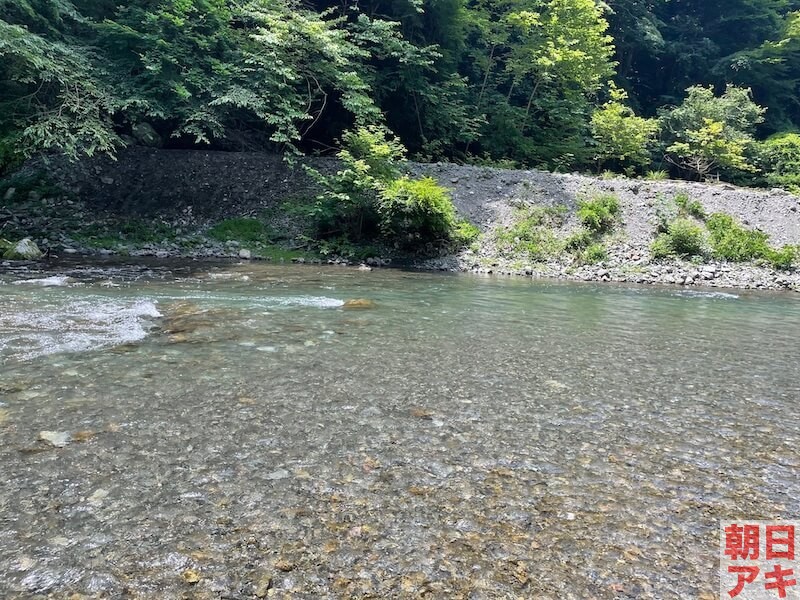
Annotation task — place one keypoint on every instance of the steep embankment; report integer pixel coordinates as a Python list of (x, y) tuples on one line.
[(194, 189)]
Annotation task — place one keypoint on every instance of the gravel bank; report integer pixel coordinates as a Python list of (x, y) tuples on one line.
[(202, 187)]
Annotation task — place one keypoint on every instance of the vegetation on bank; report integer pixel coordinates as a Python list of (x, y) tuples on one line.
[(534, 235), (370, 209), (685, 231)]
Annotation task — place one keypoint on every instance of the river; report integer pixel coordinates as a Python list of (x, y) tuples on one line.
[(220, 430)]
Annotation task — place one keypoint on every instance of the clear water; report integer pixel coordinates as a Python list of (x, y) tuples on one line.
[(235, 432)]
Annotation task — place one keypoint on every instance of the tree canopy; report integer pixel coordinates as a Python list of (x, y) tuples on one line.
[(560, 84)]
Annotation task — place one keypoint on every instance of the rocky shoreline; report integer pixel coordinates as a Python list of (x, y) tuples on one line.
[(678, 273), (618, 269), (178, 205)]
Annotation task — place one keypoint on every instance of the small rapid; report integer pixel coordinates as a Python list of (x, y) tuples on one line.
[(31, 327)]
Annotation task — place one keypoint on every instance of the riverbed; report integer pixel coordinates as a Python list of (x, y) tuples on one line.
[(226, 430)]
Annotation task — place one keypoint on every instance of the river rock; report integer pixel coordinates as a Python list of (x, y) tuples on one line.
[(359, 303), (59, 439), (25, 249), (245, 254)]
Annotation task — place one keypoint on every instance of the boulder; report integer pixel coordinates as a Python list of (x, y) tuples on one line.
[(245, 254), (359, 303), (25, 249), (146, 135)]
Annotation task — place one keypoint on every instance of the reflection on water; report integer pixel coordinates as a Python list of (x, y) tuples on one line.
[(235, 431)]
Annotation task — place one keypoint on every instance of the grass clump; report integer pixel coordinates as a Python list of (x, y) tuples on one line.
[(129, 232), (692, 208), (240, 229), (659, 175), (782, 258), (683, 238), (731, 241), (599, 214), (580, 240)]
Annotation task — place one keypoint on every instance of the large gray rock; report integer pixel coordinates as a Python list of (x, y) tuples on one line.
[(25, 249), (146, 135)]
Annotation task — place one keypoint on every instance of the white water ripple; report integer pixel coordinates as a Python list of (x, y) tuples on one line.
[(28, 331)]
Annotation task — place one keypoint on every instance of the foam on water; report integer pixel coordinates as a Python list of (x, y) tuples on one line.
[(28, 331), (313, 301), (260, 301), (54, 281), (702, 294)]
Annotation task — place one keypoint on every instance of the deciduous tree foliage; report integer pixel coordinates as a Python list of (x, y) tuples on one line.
[(518, 81)]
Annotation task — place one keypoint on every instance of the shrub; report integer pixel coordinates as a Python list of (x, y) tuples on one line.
[(780, 159), (594, 253), (730, 241), (707, 134), (620, 135), (372, 151), (686, 238), (464, 233), (783, 258), (662, 247), (599, 214), (416, 211), (579, 240), (683, 238), (371, 159)]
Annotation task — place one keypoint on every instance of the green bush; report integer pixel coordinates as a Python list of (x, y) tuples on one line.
[(662, 247), (464, 233), (416, 211), (599, 214), (780, 160), (240, 229), (348, 207), (579, 240), (730, 241), (783, 258), (683, 238), (620, 136), (594, 253), (686, 238)]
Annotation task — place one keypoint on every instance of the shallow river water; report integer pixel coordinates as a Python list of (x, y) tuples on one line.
[(235, 431)]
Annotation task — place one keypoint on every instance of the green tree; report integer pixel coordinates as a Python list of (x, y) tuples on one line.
[(710, 135), (620, 135)]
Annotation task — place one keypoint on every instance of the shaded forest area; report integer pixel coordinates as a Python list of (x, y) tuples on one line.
[(695, 89)]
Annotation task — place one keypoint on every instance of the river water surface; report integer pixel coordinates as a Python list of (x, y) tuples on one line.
[(236, 431)]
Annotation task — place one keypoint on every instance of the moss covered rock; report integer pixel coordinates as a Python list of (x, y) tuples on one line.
[(25, 249)]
